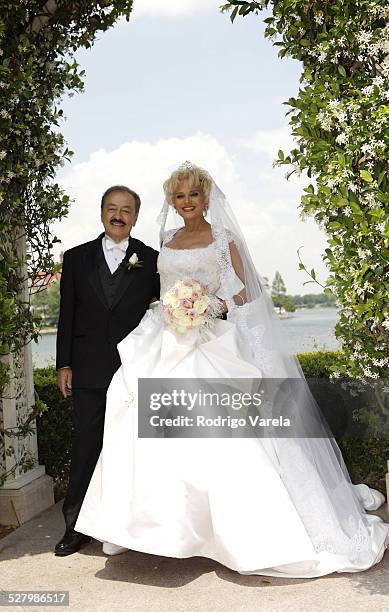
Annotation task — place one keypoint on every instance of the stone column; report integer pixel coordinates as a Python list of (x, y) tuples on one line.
[(27, 490)]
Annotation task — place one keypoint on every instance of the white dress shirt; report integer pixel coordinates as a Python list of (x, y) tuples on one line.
[(114, 252)]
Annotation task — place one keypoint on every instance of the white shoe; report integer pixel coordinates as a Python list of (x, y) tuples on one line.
[(113, 549)]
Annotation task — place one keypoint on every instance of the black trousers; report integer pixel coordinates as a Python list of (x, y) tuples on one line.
[(88, 418)]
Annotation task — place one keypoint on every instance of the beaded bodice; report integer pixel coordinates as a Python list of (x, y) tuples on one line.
[(199, 263)]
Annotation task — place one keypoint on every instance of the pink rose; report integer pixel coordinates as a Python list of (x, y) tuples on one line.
[(186, 303)]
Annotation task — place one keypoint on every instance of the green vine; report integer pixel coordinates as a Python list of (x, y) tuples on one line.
[(38, 40), (339, 119)]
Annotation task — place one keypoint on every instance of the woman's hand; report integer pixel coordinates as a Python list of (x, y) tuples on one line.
[(240, 298), (223, 305), (217, 306)]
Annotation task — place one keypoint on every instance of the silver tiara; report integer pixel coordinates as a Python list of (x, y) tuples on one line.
[(187, 165)]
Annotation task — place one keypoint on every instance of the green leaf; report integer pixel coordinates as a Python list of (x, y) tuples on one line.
[(366, 175), (234, 14), (355, 208), (382, 197), (341, 70), (342, 202)]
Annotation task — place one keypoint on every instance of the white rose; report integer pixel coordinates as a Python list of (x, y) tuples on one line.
[(184, 292), (200, 305)]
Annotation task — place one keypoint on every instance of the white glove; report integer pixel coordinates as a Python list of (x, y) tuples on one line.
[(216, 307)]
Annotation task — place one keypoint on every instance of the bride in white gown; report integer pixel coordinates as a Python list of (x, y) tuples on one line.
[(270, 506)]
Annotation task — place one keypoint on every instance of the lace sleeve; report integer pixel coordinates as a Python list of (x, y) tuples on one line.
[(232, 237), (168, 235), (234, 282)]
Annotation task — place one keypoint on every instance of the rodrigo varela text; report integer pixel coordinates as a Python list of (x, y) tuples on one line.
[(219, 421)]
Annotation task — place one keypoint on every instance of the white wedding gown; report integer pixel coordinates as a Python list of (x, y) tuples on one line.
[(220, 498)]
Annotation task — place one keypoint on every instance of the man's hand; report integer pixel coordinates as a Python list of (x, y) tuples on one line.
[(64, 381)]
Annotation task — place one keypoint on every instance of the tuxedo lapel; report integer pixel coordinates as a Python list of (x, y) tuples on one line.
[(92, 269), (129, 275)]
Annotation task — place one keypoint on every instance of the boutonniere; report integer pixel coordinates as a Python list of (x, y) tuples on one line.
[(134, 262)]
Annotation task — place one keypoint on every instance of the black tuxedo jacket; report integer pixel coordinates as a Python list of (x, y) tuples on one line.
[(88, 329)]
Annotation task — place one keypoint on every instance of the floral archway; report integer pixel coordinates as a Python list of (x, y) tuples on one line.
[(338, 116)]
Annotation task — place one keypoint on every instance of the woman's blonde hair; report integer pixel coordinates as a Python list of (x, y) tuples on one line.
[(196, 177)]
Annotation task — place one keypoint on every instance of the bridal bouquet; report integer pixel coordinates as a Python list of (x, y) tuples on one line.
[(186, 305)]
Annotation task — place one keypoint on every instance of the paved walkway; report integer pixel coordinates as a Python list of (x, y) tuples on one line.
[(147, 583)]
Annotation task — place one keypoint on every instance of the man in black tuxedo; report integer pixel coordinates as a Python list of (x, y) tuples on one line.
[(103, 298)]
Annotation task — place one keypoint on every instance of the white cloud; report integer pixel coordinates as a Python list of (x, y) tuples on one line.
[(267, 214), (270, 141), (143, 166), (172, 8), (280, 199)]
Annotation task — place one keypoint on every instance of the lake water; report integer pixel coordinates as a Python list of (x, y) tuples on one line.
[(306, 330)]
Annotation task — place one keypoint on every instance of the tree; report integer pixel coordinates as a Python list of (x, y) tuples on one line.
[(340, 120), (45, 304), (279, 297), (289, 304), (278, 291)]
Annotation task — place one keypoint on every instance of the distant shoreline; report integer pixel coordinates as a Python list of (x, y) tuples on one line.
[(286, 315), (48, 330)]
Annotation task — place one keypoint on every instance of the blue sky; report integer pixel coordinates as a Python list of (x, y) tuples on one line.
[(177, 82)]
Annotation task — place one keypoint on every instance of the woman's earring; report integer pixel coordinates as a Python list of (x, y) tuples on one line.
[(205, 211)]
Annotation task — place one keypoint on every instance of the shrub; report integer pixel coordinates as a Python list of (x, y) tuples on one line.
[(54, 428)]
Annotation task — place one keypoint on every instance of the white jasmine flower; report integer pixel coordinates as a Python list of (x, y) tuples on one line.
[(341, 115), (367, 90), (379, 81), (364, 38), (366, 148), (333, 103), (342, 138), (324, 120), (322, 57), (342, 41)]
